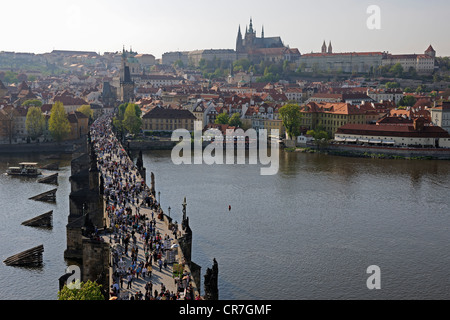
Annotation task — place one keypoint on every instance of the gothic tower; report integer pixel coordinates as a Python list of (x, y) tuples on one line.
[(239, 44), (330, 48), (126, 83), (324, 47), (250, 36)]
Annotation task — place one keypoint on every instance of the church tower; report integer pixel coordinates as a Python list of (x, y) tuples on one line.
[(239, 44), (126, 83), (430, 52), (250, 36), (324, 47), (330, 48)]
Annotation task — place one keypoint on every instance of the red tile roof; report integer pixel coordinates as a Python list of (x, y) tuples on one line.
[(393, 131)]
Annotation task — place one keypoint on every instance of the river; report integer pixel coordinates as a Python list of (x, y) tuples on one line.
[(308, 232), (312, 230)]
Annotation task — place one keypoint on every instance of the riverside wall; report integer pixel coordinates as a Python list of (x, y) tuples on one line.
[(354, 150), (67, 147)]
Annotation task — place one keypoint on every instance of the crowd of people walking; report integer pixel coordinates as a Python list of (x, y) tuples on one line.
[(139, 249)]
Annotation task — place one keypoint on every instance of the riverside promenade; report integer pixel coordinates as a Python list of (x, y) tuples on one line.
[(143, 243)]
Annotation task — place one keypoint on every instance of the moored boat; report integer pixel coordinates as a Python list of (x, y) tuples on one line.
[(29, 169)]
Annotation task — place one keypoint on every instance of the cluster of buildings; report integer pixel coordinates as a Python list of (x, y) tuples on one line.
[(365, 62), (170, 101), (13, 111), (272, 49), (174, 98)]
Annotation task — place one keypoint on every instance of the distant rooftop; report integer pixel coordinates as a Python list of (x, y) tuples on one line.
[(69, 52)]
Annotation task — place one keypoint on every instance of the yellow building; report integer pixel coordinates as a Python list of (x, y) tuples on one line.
[(271, 125), (162, 119), (79, 125), (331, 115)]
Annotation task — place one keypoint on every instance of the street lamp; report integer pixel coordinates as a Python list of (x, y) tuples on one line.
[(169, 211), (159, 197)]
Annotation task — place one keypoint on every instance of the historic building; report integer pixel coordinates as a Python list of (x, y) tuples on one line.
[(167, 119), (126, 89), (440, 115), (415, 135), (326, 60), (330, 116), (365, 62), (263, 48), (251, 42), (422, 63)]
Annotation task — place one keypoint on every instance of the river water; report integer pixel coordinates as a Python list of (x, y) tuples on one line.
[(312, 230), (308, 232), (17, 283)]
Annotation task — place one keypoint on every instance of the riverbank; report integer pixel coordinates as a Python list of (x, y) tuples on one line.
[(44, 147), (378, 152)]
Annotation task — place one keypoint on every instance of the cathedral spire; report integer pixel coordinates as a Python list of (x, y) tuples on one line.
[(324, 47), (239, 40), (262, 32), (251, 26)]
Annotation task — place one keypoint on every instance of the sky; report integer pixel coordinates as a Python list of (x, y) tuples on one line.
[(156, 27)]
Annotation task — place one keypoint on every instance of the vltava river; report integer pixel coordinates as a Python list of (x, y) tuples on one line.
[(309, 232), (312, 230)]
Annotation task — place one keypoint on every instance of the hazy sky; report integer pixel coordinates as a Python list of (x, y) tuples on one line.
[(155, 27)]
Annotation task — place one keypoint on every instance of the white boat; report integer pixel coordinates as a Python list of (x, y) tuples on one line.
[(29, 169)]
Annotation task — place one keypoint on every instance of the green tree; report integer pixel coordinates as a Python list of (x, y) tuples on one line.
[(131, 122), (392, 85), (124, 106), (291, 117), (35, 122), (408, 90), (407, 101), (222, 118), (320, 136), (87, 291), (235, 120), (58, 124), (178, 64), (242, 65), (32, 102), (397, 70), (421, 89), (86, 110), (11, 77)]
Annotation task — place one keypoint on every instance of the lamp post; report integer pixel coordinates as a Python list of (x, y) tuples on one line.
[(159, 197), (169, 211)]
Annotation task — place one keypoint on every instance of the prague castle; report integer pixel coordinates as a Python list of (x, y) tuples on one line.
[(365, 62), (251, 42)]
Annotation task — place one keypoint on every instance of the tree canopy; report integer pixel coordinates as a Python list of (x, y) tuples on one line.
[(32, 102), (291, 117), (132, 122), (320, 136), (86, 110), (87, 291), (58, 124), (235, 120), (407, 101), (222, 118), (35, 122)]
